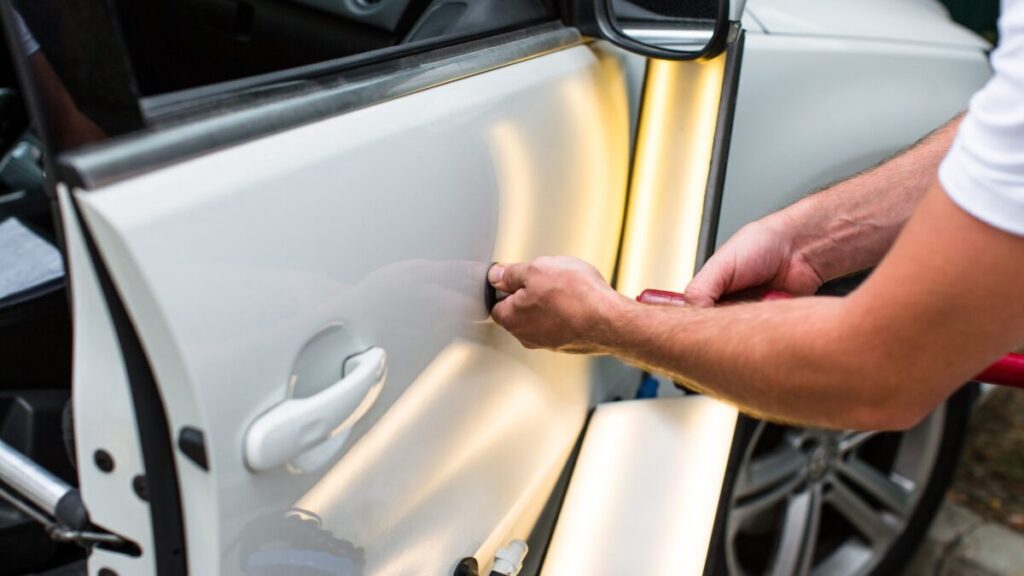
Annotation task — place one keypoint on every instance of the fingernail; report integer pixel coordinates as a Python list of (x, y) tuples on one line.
[(495, 273)]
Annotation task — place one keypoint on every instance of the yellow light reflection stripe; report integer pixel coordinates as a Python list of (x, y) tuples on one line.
[(673, 161), (645, 490), (518, 203)]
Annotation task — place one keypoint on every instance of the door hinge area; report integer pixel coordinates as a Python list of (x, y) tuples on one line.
[(54, 504)]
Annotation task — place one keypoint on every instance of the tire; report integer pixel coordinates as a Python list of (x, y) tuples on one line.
[(938, 440), (752, 543)]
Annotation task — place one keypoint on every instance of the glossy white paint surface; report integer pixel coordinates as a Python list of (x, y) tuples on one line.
[(749, 23), (736, 9), (382, 220), (104, 415), (645, 489), (814, 110), (922, 21)]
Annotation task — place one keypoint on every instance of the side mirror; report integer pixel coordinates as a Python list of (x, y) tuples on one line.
[(665, 29)]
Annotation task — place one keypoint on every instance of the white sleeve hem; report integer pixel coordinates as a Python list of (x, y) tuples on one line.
[(980, 199)]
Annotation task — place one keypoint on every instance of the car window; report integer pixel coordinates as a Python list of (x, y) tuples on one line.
[(111, 67), (179, 44), (73, 71)]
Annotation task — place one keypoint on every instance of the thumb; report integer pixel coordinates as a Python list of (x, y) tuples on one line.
[(707, 286), (507, 277)]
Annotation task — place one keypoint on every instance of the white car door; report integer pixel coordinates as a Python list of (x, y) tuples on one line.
[(278, 235)]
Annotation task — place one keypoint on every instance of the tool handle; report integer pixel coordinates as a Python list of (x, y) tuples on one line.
[(1007, 371)]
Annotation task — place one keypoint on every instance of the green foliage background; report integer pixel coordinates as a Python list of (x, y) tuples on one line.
[(978, 15)]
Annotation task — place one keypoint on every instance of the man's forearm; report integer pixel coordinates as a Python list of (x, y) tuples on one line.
[(943, 304), (851, 225), (785, 359)]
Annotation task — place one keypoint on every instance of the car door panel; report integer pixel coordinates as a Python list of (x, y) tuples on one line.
[(105, 416), (380, 222)]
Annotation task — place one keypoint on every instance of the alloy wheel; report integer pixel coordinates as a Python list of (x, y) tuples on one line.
[(809, 501)]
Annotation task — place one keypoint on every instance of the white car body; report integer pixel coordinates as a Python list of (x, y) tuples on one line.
[(895, 70), (379, 223), (464, 409)]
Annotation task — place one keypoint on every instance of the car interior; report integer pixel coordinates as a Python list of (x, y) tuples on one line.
[(35, 329), (173, 46), (178, 45)]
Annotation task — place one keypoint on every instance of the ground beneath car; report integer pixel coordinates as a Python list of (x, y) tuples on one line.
[(990, 478), (979, 531)]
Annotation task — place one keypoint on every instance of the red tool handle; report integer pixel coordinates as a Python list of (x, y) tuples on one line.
[(1007, 371)]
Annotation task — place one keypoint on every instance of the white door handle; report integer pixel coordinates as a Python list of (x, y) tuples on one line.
[(300, 424)]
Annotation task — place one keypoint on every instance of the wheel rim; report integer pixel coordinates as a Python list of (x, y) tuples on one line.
[(809, 501)]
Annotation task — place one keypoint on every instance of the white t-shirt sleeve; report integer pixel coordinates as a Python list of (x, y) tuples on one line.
[(29, 46), (984, 170)]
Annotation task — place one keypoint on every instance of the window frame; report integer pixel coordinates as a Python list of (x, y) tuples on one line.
[(203, 125), (159, 107), (107, 55)]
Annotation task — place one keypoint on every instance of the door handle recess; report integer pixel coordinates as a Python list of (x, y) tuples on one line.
[(297, 425)]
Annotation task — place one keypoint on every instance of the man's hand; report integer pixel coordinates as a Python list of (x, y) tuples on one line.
[(558, 303), (760, 255), (844, 229)]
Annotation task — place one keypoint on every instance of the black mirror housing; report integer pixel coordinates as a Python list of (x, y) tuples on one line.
[(663, 29)]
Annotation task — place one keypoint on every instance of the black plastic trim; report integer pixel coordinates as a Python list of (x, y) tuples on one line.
[(304, 102), (163, 492), (71, 512), (594, 18), (720, 151), (467, 567), (192, 443), (705, 248), (745, 426)]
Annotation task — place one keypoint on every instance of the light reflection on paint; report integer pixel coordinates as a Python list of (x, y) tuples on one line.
[(673, 161), (515, 429), (711, 446), (517, 204), (603, 182), (410, 408), (541, 206), (664, 458), (514, 426), (679, 475)]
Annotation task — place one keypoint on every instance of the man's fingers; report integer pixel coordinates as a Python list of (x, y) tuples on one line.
[(707, 287), (699, 299), (502, 312), (507, 277)]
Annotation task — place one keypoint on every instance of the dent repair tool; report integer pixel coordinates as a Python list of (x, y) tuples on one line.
[(1007, 371), (491, 294)]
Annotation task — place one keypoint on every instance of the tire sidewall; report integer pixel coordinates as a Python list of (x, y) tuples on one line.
[(958, 409)]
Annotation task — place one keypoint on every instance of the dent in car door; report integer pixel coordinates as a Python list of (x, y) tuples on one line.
[(374, 227)]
